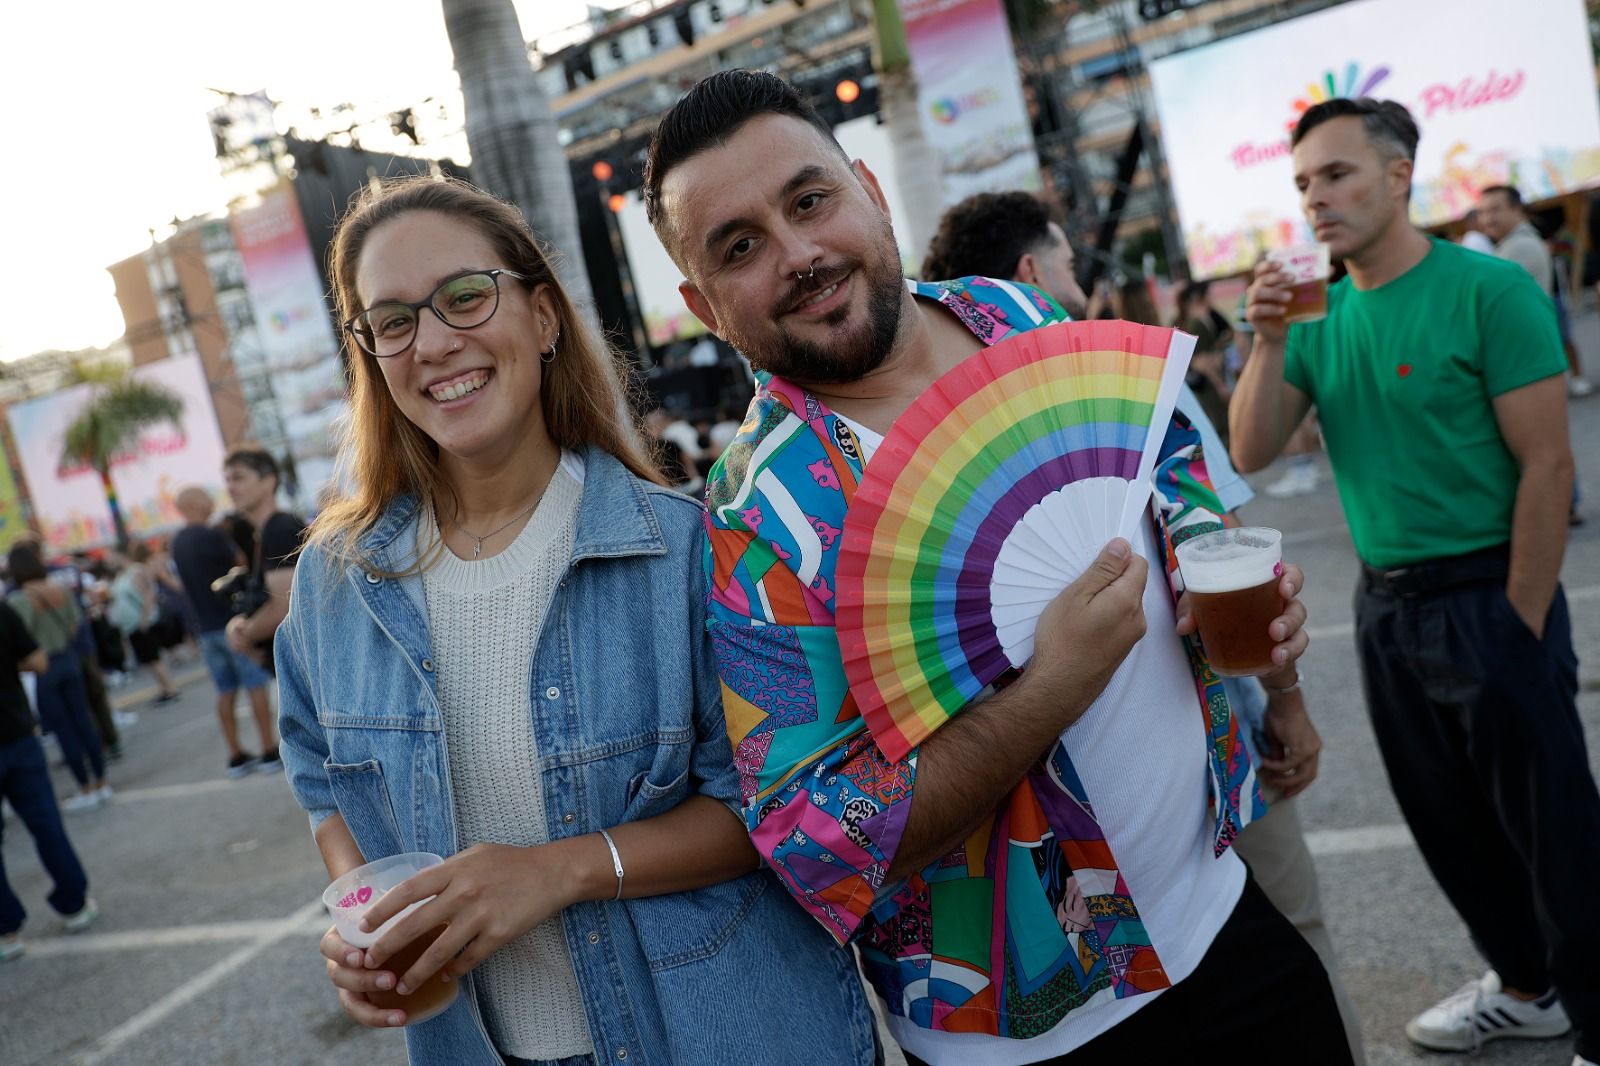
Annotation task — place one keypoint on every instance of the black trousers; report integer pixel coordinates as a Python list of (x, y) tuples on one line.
[(1259, 991), (1478, 725)]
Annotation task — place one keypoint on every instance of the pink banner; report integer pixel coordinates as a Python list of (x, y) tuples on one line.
[(973, 112), (296, 333)]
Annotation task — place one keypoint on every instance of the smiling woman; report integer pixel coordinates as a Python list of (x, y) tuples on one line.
[(497, 653)]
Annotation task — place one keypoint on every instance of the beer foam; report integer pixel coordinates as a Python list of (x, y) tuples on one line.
[(1230, 559)]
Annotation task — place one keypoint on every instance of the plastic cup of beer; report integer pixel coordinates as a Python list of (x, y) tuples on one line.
[(1307, 267), (349, 897), (1232, 580)]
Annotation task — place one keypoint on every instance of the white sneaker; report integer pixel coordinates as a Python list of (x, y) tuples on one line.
[(1579, 1060), (83, 801), (77, 923), (1479, 1012), (104, 794), (12, 947), (1578, 388), (1301, 480), (124, 719)]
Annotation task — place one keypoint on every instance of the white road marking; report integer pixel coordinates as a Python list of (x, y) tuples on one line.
[(1363, 838), (183, 791), (201, 983), (171, 936)]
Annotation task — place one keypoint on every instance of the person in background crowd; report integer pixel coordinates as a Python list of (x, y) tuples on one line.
[(975, 848), (25, 784), (52, 619), (1440, 379), (175, 621), (135, 609), (507, 525), (201, 555), (78, 580), (251, 475), (1516, 238), (1472, 236), (1208, 370), (1010, 235)]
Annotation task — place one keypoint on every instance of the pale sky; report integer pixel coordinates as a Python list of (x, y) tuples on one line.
[(104, 108)]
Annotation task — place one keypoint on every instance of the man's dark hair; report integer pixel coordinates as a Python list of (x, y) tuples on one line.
[(26, 562), (1389, 125), (254, 457), (985, 234), (708, 115), (1513, 197), (1193, 290)]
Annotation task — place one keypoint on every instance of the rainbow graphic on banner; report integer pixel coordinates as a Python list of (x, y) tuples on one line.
[(991, 494), (1354, 86)]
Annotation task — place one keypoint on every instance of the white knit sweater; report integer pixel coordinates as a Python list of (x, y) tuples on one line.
[(484, 618)]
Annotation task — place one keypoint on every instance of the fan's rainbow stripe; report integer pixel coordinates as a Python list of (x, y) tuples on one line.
[(957, 452)]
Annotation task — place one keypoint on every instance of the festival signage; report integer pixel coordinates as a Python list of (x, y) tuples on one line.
[(1501, 97), (12, 525), (297, 336), (973, 113), (69, 503)]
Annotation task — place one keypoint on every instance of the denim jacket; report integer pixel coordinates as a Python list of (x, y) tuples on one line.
[(625, 703)]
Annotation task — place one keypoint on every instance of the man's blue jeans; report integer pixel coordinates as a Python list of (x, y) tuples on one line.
[(25, 782)]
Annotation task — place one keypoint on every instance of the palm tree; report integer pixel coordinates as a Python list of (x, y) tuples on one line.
[(918, 169), (512, 134), (121, 408)]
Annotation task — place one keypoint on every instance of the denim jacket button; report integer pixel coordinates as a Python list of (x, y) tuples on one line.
[(427, 664), (569, 817), (552, 693), (373, 579), (622, 1052), (594, 938)]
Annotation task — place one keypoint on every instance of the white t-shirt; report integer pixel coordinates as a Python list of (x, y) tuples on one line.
[(1140, 751)]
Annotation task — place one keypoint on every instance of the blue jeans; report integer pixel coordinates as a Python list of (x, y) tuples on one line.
[(25, 781), (230, 671), (64, 711)]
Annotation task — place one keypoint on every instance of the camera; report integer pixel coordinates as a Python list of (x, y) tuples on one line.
[(245, 593)]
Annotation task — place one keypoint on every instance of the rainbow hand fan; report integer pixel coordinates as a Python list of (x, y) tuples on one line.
[(992, 493)]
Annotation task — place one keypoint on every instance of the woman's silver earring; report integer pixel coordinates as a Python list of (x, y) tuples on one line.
[(550, 356)]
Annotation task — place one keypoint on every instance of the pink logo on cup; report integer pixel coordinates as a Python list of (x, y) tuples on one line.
[(357, 898)]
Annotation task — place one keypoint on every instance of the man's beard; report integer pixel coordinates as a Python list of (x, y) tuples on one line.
[(855, 354)]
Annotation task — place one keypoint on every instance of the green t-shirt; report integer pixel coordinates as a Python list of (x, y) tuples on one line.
[(1403, 377)]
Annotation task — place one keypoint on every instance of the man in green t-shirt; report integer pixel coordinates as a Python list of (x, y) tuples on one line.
[(1438, 376)]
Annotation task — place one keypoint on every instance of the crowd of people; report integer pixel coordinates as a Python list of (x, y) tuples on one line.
[(624, 717), (83, 628)]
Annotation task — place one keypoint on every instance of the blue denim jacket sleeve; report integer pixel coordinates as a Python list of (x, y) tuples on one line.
[(301, 742), (712, 761)]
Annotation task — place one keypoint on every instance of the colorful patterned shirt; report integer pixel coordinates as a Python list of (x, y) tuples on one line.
[(989, 938)]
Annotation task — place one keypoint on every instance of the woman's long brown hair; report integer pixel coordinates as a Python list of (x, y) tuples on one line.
[(382, 453)]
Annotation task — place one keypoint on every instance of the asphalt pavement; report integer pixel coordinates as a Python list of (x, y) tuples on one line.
[(209, 887)]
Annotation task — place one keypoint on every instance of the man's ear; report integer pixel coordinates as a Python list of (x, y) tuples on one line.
[(1400, 174), (1026, 270), (869, 181), (698, 305)]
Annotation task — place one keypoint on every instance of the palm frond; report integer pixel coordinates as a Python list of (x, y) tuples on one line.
[(113, 419)]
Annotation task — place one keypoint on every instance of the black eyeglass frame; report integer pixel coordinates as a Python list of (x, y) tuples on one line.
[(416, 307)]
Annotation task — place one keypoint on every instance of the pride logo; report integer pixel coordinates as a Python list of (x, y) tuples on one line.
[(1355, 83)]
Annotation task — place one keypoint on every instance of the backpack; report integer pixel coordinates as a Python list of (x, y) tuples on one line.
[(126, 610)]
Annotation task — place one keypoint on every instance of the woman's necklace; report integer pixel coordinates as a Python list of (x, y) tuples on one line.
[(478, 547)]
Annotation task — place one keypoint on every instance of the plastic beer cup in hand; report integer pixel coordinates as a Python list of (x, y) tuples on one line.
[(348, 898), (1307, 267), (1231, 577)]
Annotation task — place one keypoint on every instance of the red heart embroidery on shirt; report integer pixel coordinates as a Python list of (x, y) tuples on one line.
[(1404, 369)]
